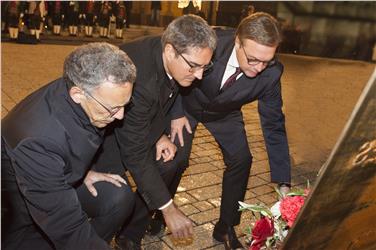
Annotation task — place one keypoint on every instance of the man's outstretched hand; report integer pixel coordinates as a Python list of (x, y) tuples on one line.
[(179, 225)]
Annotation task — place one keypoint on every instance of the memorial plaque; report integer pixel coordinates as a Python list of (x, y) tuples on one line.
[(340, 213)]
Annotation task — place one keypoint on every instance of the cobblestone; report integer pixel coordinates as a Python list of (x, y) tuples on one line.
[(205, 216), (206, 192)]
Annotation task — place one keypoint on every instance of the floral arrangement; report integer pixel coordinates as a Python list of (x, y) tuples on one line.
[(272, 226)]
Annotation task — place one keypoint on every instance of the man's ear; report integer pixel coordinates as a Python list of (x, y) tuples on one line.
[(169, 51), (237, 42), (76, 94)]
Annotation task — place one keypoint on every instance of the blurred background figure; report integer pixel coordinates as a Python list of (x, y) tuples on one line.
[(247, 10), (89, 18), (43, 14), (35, 19), (119, 11), (12, 17), (4, 14), (155, 13), (73, 17), (199, 12), (128, 9), (56, 17), (104, 19)]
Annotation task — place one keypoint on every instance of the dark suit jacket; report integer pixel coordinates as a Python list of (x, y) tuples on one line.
[(204, 101), (50, 142), (146, 119)]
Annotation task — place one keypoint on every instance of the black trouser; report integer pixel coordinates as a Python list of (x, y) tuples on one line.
[(140, 220), (230, 134), (137, 224), (107, 211)]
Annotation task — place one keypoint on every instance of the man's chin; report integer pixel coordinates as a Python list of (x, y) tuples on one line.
[(185, 83), (101, 124), (251, 74)]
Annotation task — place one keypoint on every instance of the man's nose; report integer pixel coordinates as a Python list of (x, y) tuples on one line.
[(120, 114), (198, 74), (260, 67)]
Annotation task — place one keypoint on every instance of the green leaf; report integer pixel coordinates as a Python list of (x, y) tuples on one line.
[(278, 192)]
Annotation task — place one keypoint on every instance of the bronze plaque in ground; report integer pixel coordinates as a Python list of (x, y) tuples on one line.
[(340, 213)]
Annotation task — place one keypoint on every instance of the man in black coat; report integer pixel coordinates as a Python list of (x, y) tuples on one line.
[(50, 197), (245, 70), (180, 56)]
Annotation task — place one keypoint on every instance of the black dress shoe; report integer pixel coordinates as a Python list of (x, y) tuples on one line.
[(227, 236), (123, 243)]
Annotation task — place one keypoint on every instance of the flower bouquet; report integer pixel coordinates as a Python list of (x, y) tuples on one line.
[(272, 226)]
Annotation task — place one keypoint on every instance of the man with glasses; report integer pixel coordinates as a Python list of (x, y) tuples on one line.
[(50, 198), (163, 64), (245, 70)]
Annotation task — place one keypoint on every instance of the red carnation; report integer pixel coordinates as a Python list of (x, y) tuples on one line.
[(263, 229), (290, 207)]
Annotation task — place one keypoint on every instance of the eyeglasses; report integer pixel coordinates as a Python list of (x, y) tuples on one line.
[(194, 67), (254, 61), (111, 111)]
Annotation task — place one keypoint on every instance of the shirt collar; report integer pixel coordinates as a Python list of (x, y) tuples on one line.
[(233, 60)]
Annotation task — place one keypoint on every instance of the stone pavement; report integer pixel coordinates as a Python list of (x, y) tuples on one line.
[(319, 95)]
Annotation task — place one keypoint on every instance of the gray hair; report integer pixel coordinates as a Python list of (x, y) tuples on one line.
[(90, 65), (261, 28), (189, 31)]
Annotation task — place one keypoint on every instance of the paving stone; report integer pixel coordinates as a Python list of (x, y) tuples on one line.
[(189, 209), (219, 164), (216, 202), (257, 145), (4, 112), (219, 173), (265, 177), (200, 168), (202, 159), (217, 156), (255, 181), (252, 201), (158, 245), (205, 193), (183, 198), (208, 145), (258, 150), (268, 199), (249, 194), (257, 138), (220, 246), (260, 167), (262, 190), (207, 152), (199, 180), (148, 239), (258, 156), (205, 216), (204, 139), (202, 239), (203, 205), (7, 102), (196, 148)]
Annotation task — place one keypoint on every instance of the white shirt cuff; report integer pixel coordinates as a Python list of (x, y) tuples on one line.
[(165, 205)]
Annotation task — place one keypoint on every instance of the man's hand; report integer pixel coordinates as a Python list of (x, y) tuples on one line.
[(93, 177), (177, 126), (179, 225), (165, 148)]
